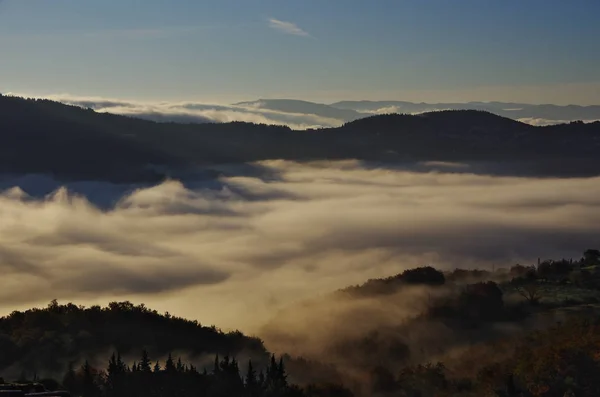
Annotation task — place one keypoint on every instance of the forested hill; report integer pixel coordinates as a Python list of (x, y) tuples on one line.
[(46, 340), (424, 328), (42, 136)]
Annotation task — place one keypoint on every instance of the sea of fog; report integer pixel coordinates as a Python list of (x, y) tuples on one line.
[(232, 246)]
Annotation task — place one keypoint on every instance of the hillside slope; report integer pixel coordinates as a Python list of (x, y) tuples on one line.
[(48, 339), (40, 136)]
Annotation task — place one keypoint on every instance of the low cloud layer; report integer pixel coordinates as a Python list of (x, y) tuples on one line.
[(193, 112), (543, 122), (233, 251), (303, 115)]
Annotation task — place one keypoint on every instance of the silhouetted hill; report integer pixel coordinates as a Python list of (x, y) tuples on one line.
[(415, 333), (41, 136), (471, 135), (47, 339), (427, 276), (544, 112), (45, 136)]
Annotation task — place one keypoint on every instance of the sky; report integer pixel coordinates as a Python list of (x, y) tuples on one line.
[(223, 51)]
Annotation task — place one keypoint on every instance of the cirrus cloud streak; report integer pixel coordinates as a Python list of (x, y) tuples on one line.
[(287, 27)]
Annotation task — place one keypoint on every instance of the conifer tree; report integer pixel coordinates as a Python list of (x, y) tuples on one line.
[(145, 363), (281, 374), (250, 378), (251, 382), (120, 364), (89, 386), (235, 368), (70, 378), (112, 364), (272, 370), (114, 375), (170, 365), (216, 368)]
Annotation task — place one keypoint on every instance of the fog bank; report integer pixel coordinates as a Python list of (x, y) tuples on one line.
[(232, 251)]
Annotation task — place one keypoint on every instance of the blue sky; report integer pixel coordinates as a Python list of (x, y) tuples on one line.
[(323, 50)]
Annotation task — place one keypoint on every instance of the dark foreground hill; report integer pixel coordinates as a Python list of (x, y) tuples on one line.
[(41, 136), (467, 336), (44, 341), (458, 333)]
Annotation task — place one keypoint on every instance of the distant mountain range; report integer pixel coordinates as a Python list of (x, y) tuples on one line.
[(304, 107), (353, 110), (42, 136)]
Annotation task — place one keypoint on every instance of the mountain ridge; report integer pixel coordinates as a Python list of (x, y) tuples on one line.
[(42, 136), (507, 109), (303, 107), (549, 113)]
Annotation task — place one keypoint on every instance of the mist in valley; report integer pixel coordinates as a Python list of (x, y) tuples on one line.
[(235, 249), (269, 248)]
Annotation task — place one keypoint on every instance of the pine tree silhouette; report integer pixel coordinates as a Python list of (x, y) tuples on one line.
[(145, 363), (170, 365), (251, 382)]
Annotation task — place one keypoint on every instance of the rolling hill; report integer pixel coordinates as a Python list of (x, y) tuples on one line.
[(544, 112), (42, 136)]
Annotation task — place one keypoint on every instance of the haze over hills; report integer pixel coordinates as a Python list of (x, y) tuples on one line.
[(249, 205), (305, 107), (416, 331), (530, 113), (303, 198), (300, 114)]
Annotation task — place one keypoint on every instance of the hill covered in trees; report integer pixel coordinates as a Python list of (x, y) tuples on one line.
[(464, 332), (44, 341), (42, 136), (515, 331)]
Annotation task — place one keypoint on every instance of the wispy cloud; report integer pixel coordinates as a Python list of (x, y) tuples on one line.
[(287, 27)]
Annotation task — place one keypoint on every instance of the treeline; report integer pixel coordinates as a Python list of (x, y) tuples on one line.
[(174, 378), (44, 340), (561, 361), (40, 343), (426, 275), (579, 271)]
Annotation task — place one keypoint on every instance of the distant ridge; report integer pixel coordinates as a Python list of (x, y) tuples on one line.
[(42, 136), (303, 107), (507, 109), (352, 110)]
